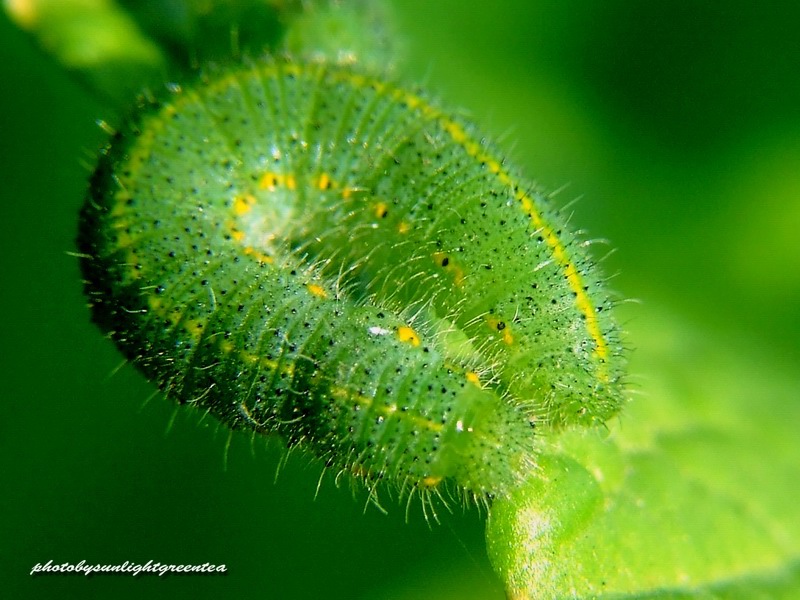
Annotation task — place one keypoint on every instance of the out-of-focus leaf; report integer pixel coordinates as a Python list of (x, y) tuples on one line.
[(95, 39), (121, 47), (194, 32)]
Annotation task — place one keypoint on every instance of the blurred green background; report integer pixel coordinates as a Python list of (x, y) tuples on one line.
[(676, 123)]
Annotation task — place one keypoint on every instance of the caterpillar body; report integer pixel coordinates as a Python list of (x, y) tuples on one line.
[(304, 249)]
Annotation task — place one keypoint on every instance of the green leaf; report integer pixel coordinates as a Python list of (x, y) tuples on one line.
[(692, 494)]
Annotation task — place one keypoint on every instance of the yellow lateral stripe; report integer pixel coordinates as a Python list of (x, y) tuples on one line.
[(342, 393)]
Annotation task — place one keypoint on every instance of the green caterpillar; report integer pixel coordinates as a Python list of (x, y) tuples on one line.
[(306, 249)]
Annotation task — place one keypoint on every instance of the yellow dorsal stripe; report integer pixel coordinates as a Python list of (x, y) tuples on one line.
[(459, 135)]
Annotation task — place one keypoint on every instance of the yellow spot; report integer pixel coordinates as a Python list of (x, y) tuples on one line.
[(291, 183), (403, 227), (444, 261), (243, 204), (472, 377), (381, 210), (292, 69), (408, 335), (226, 346), (121, 197), (258, 255), (347, 192), (156, 305), (237, 235), (268, 364), (195, 327), (124, 240), (358, 80), (502, 328), (324, 182), (317, 290), (430, 481), (288, 369), (269, 181)]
